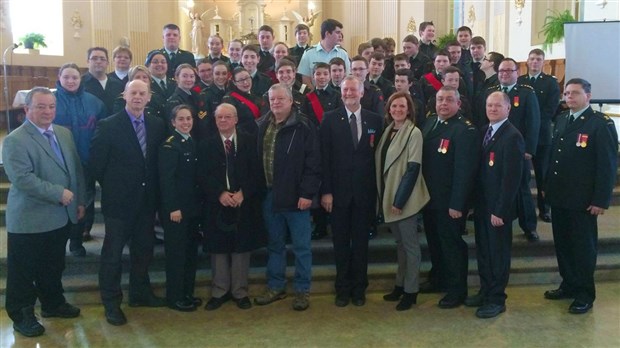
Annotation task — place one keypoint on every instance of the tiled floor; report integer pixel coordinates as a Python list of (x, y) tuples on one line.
[(530, 321)]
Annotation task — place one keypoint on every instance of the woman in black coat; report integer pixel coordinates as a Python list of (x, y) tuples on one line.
[(228, 168)]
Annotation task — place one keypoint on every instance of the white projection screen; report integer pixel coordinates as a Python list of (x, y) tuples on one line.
[(593, 53)]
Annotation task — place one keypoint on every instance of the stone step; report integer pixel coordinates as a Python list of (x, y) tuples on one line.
[(83, 289)]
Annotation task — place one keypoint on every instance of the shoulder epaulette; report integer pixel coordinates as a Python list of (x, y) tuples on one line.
[(493, 88), (526, 86)]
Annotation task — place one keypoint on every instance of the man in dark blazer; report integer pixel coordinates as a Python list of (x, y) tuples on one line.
[(96, 81), (124, 161), (450, 157), (348, 139), (579, 185), (175, 55), (525, 115), (501, 163), (548, 93), (46, 198)]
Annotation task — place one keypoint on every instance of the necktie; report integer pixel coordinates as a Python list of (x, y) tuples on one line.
[(487, 136), (228, 147), (162, 84), (50, 138), (505, 90), (141, 134), (532, 81), (571, 118), (476, 66), (372, 82), (172, 55), (353, 124)]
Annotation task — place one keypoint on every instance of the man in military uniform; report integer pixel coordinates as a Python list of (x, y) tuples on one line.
[(580, 181), (525, 115), (450, 157), (285, 72), (267, 60), (427, 36), (548, 92), (431, 82), (249, 60), (324, 98), (372, 99), (175, 55)]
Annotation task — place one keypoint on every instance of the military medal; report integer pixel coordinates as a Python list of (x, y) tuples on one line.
[(582, 140), (515, 101), (372, 140), (443, 146), (491, 159)]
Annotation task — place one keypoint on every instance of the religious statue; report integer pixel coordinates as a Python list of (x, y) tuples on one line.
[(197, 27)]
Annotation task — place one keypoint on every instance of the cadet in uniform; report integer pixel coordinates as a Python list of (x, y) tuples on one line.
[(180, 210), (372, 100), (548, 93)]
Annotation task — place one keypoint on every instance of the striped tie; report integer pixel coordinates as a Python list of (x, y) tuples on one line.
[(141, 134), (50, 137)]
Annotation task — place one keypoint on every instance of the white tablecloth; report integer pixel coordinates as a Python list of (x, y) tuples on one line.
[(20, 97)]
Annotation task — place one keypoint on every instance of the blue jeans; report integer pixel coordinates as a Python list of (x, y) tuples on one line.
[(298, 223)]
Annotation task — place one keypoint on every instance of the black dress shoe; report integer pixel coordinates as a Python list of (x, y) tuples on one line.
[(78, 251), (545, 217), (532, 236), (359, 300), (408, 300), (372, 234), (490, 310), (429, 287), (474, 301), (149, 301), (342, 301), (558, 294), (451, 301), (115, 316), (65, 310), (243, 303), (579, 307), (195, 300), (184, 305), (395, 295), (28, 326), (217, 302)]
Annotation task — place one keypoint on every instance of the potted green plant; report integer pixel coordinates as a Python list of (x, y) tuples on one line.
[(553, 29), (444, 40), (33, 40)]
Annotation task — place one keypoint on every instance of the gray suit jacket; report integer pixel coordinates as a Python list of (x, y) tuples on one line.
[(38, 178)]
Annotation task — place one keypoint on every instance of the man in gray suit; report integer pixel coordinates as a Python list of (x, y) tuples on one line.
[(46, 197)]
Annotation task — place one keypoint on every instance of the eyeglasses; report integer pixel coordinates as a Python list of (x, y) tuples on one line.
[(507, 71)]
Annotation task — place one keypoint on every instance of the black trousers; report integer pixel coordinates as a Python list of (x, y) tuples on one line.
[(138, 231), (448, 251), (575, 235), (350, 227), (541, 165), (35, 262), (525, 202), (181, 245), (493, 246)]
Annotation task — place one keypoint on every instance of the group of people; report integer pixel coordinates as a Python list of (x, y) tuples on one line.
[(242, 152)]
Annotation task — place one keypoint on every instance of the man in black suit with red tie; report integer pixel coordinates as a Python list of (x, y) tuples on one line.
[(124, 162), (548, 93), (580, 181), (175, 55), (348, 138), (499, 177)]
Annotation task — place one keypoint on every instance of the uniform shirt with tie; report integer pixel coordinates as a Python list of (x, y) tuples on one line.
[(507, 89), (533, 79), (358, 120), (161, 83), (572, 116), (229, 150)]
